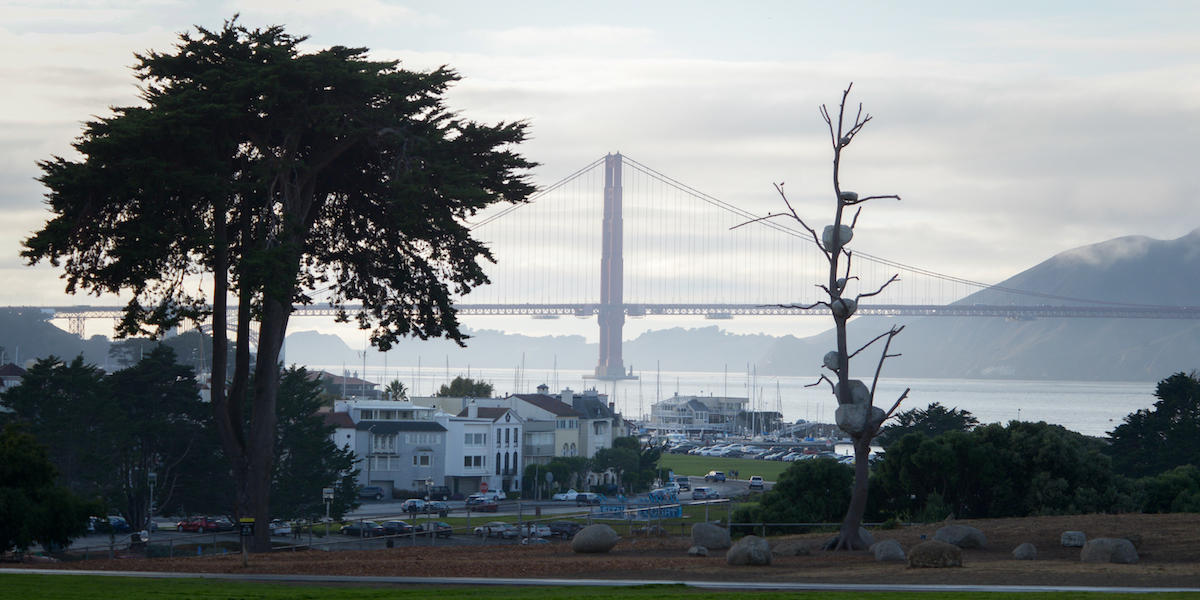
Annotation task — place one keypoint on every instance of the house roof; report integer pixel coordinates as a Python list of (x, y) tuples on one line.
[(697, 406), (338, 419), (395, 426), (549, 403), (11, 370), (486, 412), (332, 379), (591, 407)]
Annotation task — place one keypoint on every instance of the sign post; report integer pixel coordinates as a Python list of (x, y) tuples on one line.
[(327, 496), (247, 530)]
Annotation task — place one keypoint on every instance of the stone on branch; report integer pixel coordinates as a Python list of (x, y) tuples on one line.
[(860, 394), (849, 196), (844, 308), (844, 235), (851, 418), (831, 360)]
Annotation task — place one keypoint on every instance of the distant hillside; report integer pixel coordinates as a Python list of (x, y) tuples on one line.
[(1137, 270), (26, 335)]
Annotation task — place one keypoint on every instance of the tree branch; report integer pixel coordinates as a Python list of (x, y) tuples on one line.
[(894, 279), (879, 367), (890, 411), (861, 200), (818, 382), (868, 344)]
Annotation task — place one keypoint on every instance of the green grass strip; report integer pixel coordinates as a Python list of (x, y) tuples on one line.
[(34, 587)]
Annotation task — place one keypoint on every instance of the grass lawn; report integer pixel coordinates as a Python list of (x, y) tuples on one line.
[(697, 466), (32, 587)]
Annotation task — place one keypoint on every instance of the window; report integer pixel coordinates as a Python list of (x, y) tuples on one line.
[(507, 436), (421, 460), (383, 442), (421, 438), (387, 415), (473, 461), (497, 438), (366, 414), (475, 439), (497, 462)]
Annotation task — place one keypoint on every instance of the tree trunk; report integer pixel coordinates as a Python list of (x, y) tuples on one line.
[(848, 537)]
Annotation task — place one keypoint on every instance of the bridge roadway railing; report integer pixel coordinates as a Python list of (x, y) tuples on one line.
[(726, 311)]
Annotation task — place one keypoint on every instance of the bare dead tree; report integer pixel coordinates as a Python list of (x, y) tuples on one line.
[(856, 413)]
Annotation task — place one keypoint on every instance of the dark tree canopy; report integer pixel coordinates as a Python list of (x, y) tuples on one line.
[(33, 508), (808, 491), (465, 387), (997, 471), (1154, 440), (285, 177), (931, 421)]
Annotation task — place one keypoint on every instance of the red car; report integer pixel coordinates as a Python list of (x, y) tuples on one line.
[(203, 524)]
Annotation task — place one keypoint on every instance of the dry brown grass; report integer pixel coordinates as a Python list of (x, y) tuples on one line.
[(1167, 544)]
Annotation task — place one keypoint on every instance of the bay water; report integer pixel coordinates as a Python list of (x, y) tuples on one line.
[(1091, 408)]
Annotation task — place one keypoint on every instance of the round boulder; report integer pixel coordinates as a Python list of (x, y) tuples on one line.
[(697, 551), (1109, 550), (1026, 551), (710, 536), (963, 536), (888, 550), (594, 539), (934, 555), (750, 550), (792, 548), (1073, 539)]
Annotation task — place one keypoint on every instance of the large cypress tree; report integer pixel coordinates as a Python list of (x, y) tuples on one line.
[(280, 176)]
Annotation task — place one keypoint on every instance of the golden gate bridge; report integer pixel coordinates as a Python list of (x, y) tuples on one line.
[(665, 248)]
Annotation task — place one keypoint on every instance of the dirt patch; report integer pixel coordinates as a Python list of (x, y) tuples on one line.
[(1167, 545)]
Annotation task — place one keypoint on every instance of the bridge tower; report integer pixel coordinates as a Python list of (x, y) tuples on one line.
[(611, 315)]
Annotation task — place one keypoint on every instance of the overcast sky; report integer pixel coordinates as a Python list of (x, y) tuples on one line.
[(1012, 130)]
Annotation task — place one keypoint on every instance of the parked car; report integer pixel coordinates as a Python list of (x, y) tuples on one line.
[(413, 505), (585, 498), (109, 524), (496, 529), (756, 482), (439, 492), (205, 524), (372, 492), (565, 529), (479, 503), (715, 476), (278, 527), (704, 493), (362, 529), (396, 528), (683, 483), (437, 528), (535, 530), (436, 506), (565, 496)]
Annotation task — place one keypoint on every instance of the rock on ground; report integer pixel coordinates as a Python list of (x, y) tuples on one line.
[(750, 550), (697, 551), (792, 548), (1073, 539), (935, 555), (1109, 550), (888, 550), (963, 536), (594, 539), (710, 536), (863, 535), (1025, 551)]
